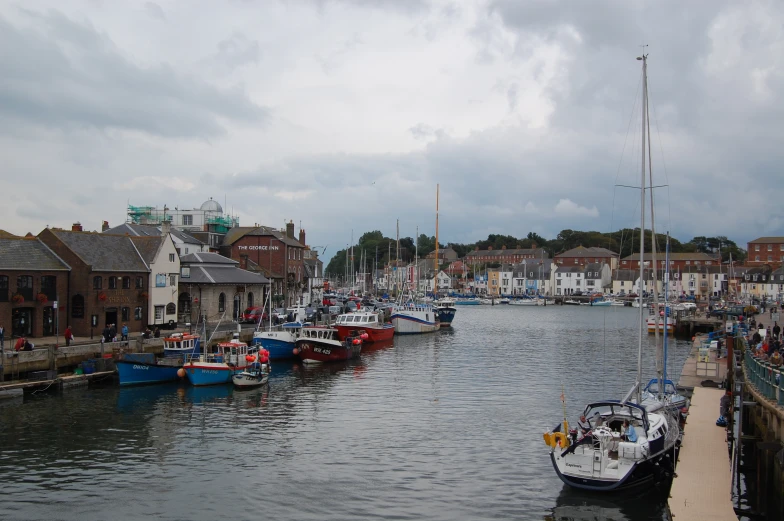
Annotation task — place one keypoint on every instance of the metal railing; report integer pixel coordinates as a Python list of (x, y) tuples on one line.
[(763, 375)]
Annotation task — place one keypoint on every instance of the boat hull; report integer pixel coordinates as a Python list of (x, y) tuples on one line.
[(247, 380), (140, 373), (311, 351), (414, 322), (375, 334), (445, 316), (280, 346), (642, 473), (208, 373)]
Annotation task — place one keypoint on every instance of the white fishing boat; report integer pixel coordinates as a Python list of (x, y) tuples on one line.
[(620, 443)]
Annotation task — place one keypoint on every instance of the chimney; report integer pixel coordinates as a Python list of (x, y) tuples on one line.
[(104, 227), (503, 247), (533, 245), (77, 227), (290, 229), (165, 227), (302, 236), (489, 248)]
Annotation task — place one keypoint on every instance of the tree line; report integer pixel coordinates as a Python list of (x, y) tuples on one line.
[(379, 250)]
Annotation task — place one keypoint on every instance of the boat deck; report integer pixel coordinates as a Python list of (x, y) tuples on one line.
[(701, 489)]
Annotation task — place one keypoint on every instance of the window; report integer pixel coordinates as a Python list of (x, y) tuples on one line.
[(770, 247), (557, 282), (250, 299), (171, 308), (97, 282), (172, 280), (160, 280), (704, 276), (770, 258), (221, 303), (756, 247), (186, 251), (171, 257), (3, 288), (187, 220), (49, 286), (688, 262), (756, 258), (126, 282), (139, 283), (77, 306), (112, 282), (159, 313), (185, 272), (137, 313), (24, 286), (716, 277), (126, 314)]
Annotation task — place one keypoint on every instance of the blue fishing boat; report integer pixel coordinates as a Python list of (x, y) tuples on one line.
[(144, 368), (279, 341), (445, 308)]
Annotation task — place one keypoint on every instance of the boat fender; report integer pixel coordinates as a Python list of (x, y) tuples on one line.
[(364, 336), (356, 341), (295, 351), (181, 372)]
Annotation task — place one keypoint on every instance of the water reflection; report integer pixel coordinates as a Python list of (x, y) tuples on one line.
[(577, 505)]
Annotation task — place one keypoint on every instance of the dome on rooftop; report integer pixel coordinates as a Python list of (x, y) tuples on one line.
[(211, 206)]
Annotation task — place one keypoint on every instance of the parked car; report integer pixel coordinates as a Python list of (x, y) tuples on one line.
[(253, 315), (577, 293)]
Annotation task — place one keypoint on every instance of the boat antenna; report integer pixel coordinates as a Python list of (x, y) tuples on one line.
[(663, 377)]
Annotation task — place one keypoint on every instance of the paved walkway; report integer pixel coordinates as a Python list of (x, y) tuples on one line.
[(701, 489)]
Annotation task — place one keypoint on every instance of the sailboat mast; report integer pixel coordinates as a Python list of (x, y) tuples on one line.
[(663, 375), (435, 260), (642, 225)]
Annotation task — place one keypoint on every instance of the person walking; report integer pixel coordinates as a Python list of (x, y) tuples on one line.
[(776, 330), (124, 332), (68, 336)]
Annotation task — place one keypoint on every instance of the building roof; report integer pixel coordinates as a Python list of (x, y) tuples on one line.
[(593, 266), (625, 275), (7, 235), (570, 269), (683, 256), (148, 247), (102, 252), (147, 230), (252, 266), (582, 251), (211, 268), (536, 252), (768, 240), (207, 258), (29, 254), (238, 232)]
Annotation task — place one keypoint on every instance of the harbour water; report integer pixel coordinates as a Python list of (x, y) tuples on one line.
[(441, 426)]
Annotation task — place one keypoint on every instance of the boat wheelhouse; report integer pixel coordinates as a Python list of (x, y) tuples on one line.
[(181, 345), (369, 321)]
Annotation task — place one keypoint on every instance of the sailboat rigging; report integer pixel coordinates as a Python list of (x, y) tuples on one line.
[(620, 443)]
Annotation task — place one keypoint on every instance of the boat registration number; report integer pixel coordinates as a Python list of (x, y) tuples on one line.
[(142, 367), (322, 350)]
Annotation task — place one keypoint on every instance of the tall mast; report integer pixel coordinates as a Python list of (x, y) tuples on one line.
[(663, 374), (435, 268), (397, 262), (642, 225)]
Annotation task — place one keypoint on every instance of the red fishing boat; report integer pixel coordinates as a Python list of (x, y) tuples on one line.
[(321, 344), (368, 321)]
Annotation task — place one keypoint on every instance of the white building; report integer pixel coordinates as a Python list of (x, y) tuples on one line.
[(160, 256)]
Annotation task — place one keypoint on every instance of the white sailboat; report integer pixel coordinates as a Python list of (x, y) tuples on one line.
[(622, 444)]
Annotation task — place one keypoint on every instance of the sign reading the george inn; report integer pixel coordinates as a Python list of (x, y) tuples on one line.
[(273, 248)]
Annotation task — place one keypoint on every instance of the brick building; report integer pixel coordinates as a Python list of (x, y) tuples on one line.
[(678, 261), (581, 256), (765, 250), (108, 280), (276, 254), (504, 255), (32, 279)]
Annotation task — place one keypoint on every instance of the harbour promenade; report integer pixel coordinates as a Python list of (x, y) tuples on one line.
[(701, 488)]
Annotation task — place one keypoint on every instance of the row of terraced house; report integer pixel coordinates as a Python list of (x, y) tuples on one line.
[(159, 269)]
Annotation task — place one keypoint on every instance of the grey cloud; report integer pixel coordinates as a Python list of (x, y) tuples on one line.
[(511, 97), (155, 11), (238, 50), (66, 74)]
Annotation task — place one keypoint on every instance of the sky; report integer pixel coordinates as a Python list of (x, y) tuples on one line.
[(344, 115)]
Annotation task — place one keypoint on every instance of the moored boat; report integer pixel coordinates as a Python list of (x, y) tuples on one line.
[(321, 344), (279, 340), (256, 374), (218, 367), (445, 310), (180, 345), (144, 368), (369, 321), (413, 319)]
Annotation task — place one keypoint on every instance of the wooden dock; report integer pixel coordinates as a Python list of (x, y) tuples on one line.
[(702, 487)]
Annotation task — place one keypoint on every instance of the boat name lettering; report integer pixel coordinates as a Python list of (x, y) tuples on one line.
[(143, 367), (573, 465), (263, 248), (209, 371)]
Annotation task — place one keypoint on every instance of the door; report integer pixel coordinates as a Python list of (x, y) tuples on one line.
[(22, 322), (111, 316), (48, 318), (236, 313)]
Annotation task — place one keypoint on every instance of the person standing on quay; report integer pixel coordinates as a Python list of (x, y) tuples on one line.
[(2, 336), (776, 330), (68, 336), (125, 332)]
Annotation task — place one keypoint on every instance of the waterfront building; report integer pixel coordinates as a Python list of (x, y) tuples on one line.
[(163, 300), (623, 282), (580, 256), (445, 256), (276, 254), (108, 281), (207, 223), (569, 279), (183, 242), (493, 282), (678, 261), (754, 281), (774, 290), (314, 276), (503, 256), (217, 288), (598, 277), (765, 250), (531, 277), (32, 279)]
